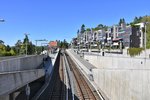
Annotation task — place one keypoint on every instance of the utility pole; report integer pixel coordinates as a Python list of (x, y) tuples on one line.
[(145, 37), (36, 43), (26, 44), (46, 44), (145, 41)]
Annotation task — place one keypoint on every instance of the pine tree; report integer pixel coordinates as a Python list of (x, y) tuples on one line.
[(82, 28)]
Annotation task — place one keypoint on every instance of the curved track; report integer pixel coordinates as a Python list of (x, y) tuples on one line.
[(84, 91), (66, 86)]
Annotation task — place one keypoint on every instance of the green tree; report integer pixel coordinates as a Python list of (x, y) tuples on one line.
[(82, 28), (100, 26), (88, 29), (30, 46), (137, 20), (26, 39), (1, 42), (17, 47), (78, 31), (64, 44), (2, 49), (8, 48), (105, 27), (12, 52), (122, 20)]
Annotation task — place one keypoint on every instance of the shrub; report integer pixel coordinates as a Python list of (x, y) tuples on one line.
[(6, 53), (134, 51)]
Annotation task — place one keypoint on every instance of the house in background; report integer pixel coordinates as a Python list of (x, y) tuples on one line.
[(137, 37), (124, 34), (116, 37)]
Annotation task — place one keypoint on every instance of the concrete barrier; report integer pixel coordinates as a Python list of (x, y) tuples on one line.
[(21, 63), (122, 78), (11, 81), (10, 57), (118, 62), (49, 67)]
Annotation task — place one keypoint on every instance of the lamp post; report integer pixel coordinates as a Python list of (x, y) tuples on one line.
[(26, 44), (145, 36)]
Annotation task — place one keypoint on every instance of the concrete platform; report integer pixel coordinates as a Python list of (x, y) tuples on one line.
[(87, 70), (84, 65)]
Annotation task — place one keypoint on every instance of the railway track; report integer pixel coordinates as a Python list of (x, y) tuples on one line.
[(68, 83), (84, 91)]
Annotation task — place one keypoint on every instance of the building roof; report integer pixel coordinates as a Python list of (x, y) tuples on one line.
[(117, 39)]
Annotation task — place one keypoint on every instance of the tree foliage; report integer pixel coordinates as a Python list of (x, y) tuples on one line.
[(63, 44), (88, 29), (82, 28), (78, 31), (134, 51), (1, 42), (18, 49), (6, 50), (122, 20), (26, 42)]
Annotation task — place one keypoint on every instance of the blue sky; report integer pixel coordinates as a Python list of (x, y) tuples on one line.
[(60, 19)]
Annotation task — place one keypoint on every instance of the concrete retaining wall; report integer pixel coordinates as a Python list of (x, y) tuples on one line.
[(10, 82), (49, 67), (21, 63), (118, 62), (122, 78), (5, 97)]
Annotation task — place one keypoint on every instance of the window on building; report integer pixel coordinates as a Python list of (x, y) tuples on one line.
[(137, 33)]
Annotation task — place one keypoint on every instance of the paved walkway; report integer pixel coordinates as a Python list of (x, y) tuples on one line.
[(84, 62)]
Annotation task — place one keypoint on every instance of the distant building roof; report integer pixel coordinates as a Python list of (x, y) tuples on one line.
[(117, 39), (53, 44)]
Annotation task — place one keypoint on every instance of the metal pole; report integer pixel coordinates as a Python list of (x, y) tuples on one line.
[(27, 89), (41, 47), (26, 48), (36, 47), (26, 44), (145, 40), (41, 44)]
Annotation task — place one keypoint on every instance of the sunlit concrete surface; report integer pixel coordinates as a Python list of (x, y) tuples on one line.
[(11, 81), (122, 78), (21, 63)]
